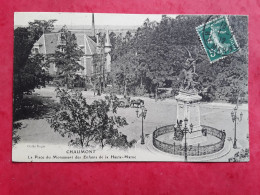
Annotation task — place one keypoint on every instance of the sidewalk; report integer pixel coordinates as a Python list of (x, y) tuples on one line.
[(163, 156)]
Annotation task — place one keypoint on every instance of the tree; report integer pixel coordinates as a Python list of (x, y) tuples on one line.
[(74, 118), (67, 55), (124, 72), (16, 138), (106, 126), (159, 61), (28, 68), (32, 76), (22, 48), (99, 60), (83, 122), (161, 54), (113, 41), (25, 37), (38, 27)]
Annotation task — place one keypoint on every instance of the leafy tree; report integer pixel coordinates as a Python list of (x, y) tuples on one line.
[(124, 71), (28, 69), (37, 27), (99, 71), (156, 59), (31, 76), (161, 53), (113, 41), (16, 138), (74, 118), (67, 55), (99, 60), (25, 37), (106, 126), (83, 122)]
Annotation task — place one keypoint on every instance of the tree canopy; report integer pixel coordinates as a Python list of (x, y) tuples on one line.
[(29, 71), (67, 55), (85, 123), (156, 53)]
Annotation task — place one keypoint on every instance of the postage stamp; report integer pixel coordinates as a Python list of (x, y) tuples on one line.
[(217, 38)]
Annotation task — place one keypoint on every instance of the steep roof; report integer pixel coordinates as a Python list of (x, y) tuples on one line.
[(91, 46), (80, 39), (50, 41)]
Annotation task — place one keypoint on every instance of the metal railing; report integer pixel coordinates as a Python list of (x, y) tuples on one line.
[(192, 150)]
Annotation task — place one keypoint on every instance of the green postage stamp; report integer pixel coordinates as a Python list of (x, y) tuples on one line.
[(217, 38)]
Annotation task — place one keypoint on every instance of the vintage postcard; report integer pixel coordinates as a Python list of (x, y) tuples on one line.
[(93, 87)]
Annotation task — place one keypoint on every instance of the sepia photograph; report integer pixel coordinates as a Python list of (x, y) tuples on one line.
[(96, 87)]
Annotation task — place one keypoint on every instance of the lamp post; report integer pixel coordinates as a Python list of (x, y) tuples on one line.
[(142, 114), (185, 130), (234, 119)]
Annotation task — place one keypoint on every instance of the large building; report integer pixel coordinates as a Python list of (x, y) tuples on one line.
[(48, 42)]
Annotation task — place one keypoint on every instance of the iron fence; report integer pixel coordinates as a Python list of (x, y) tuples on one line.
[(192, 150)]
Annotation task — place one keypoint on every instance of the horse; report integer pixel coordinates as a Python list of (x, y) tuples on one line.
[(137, 103)]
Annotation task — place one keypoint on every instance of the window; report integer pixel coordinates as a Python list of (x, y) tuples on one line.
[(36, 50)]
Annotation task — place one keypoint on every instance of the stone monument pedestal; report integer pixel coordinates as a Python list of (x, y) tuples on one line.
[(188, 106)]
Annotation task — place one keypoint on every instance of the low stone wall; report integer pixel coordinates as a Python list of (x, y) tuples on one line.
[(192, 150)]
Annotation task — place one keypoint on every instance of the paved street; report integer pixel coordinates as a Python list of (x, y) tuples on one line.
[(160, 113)]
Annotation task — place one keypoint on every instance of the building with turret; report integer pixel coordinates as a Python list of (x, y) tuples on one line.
[(90, 45)]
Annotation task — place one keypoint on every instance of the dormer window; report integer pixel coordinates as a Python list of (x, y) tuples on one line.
[(36, 50), (62, 49), (36, 47)]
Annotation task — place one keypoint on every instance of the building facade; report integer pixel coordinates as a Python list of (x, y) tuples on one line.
[(48, 43)]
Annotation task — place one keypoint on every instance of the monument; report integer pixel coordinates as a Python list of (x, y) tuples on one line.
[(188, 104), (187, 136)]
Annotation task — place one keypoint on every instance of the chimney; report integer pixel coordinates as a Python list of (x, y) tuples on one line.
[(93, 26)]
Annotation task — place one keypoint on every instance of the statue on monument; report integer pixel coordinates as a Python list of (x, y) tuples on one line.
[(187, 73), (188, 104), (186, 77)]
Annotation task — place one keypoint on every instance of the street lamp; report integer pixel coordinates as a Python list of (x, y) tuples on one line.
[(234, 119), (185, 130), (142, 114)]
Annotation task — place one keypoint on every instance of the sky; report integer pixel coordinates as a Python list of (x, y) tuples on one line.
[(22, 18)]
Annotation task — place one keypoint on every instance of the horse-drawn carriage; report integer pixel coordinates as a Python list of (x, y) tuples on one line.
[(124, 102), (127, 102), (137, 103)]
